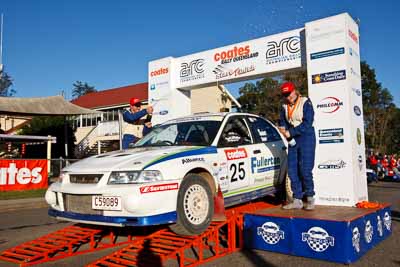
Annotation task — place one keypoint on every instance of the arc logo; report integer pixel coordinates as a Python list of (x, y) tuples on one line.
[(288, 45), (236, 153), (192, 70), (329, 104)]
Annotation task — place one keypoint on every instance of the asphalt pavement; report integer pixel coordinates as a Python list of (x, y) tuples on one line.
[(24, 220)]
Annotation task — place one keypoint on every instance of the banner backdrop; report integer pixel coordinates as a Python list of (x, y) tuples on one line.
[(17, 174)]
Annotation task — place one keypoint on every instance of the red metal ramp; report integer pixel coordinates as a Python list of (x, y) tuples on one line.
[(220, 239), (60, 244)]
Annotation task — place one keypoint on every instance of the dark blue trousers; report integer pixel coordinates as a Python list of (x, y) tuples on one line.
[(128, 139), (301, 159)]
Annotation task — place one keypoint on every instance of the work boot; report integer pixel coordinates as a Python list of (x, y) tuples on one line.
[(309, 204), (296, 204)]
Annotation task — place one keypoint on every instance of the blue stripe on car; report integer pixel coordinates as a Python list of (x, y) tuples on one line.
[(187, 153), (165, 218)]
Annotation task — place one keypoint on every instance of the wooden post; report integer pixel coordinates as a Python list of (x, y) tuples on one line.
[(49, 153)]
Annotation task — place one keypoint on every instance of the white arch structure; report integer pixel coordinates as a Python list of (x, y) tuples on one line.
[(329, 50)]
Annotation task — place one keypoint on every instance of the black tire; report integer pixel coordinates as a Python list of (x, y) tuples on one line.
[(185, 224)]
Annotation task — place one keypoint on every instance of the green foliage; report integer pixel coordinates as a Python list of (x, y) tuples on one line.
[(45, 126), (381, 116), (6, 83), (81, 89)]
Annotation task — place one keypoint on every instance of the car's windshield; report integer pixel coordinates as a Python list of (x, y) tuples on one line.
[(187, 133)]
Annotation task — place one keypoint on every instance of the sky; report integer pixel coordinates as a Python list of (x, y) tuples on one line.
[(48, 45)]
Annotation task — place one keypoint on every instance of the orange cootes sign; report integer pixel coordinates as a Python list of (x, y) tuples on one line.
[(23, 174), (159, 72), (232, 53)]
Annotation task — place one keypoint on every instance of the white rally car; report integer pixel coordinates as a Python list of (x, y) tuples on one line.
[(173, 175)]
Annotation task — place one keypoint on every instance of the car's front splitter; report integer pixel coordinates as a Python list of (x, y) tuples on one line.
[(165, 218)]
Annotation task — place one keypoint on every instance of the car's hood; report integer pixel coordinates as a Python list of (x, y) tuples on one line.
[(130, 159)]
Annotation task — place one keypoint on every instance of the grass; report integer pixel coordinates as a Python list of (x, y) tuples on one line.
[(22, 194)]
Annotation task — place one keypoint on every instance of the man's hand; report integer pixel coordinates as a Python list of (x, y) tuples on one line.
[(149, 110), (148, 124)]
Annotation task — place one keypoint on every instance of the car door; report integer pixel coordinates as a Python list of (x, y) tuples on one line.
[(266, 165), (234, 146)]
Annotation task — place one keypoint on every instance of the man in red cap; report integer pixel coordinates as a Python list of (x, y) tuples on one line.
[(296, 124), (133, 115)]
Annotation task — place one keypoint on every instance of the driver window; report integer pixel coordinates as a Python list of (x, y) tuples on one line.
[(235, 133)]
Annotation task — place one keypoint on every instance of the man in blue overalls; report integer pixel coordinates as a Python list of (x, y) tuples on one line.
[(133, 115), (296, 124)]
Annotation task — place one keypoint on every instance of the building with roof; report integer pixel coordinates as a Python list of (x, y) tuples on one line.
[(97, 133)]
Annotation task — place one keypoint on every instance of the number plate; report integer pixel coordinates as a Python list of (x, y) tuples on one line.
[(106, 203)]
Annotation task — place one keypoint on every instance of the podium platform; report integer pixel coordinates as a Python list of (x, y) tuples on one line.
[(332, 233)]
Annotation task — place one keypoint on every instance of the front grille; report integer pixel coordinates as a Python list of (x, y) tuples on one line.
[(84, 178), (80, 204)]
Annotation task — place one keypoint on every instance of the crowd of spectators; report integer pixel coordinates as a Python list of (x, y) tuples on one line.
[(384, 166)]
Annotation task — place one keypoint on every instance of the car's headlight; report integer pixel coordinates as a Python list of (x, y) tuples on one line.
[(134, 177)]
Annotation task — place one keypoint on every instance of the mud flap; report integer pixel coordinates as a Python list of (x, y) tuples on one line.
[(219, 207)]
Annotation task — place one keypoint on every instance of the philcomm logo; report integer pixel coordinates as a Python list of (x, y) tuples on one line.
[(286, 49), (223, 72), (192, 70), (235, 54), (357, 110), (329, 104), (329, 76), (359, 136), (327, 53), (327, 136), (332, 164), (265, 164)]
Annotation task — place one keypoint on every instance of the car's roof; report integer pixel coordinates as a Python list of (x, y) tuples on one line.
[(217, 116)]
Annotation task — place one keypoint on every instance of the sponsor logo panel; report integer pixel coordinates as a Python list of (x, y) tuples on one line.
[(286, 49), (192, 71), (327, 53), (222, 72), (334, 135), (357, 110), (329, 104), (158, 72), (353, 36), (190, 160), (236, 153), (318, 239), (265, 164), (329, 76), (332, 164), (271, 233), (235, 54), (158, 188)]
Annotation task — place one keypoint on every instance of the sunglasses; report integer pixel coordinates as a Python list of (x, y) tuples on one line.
[(286, 94), (138, 105)]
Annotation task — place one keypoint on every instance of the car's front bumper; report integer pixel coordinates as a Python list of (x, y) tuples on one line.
[(164, 218)]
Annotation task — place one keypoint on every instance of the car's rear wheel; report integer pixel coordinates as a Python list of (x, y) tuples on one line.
[(195, 206)]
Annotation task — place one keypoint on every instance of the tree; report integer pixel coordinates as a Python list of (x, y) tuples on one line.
[(81, 89), (379, 111), (6, 83), (53, 126)]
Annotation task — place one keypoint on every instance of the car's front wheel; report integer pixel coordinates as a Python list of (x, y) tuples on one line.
[(195, 206)]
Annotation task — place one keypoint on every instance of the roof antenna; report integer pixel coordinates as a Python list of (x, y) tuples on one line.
[(1, 47)]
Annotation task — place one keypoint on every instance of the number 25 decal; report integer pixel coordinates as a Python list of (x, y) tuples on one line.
[(237, 169)]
